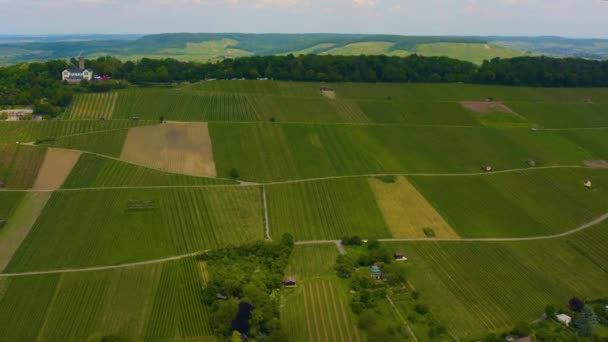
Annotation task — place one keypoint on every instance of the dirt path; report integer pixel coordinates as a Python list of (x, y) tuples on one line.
[(318, 242), (266, 220), (407, 326)]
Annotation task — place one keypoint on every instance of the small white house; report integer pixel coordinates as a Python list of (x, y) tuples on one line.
[(565, 319)]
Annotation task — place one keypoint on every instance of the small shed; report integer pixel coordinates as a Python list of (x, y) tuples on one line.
[(221, 296), (289, 282), (587, 183), (487, 168), (400, 256), (376, 272), (531, 162), (564, 319), (534, 129)]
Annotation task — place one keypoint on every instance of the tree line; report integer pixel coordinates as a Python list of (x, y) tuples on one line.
[(38, 83)]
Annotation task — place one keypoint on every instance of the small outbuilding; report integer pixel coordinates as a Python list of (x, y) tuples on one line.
[(587, 183), (531, 162), (487, 168), (399, 256), (289, 282), (534, 129), (221, 296), (564, 319), (376, 272)]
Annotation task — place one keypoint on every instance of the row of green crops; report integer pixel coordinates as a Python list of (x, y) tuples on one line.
[(271, 152), (30, 131), (476, 287), (105, 227), (19, 165), (93, 171), (154, 303)]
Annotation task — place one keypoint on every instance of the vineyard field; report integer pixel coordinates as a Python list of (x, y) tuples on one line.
[(517, 204), (107, 143), (31, 131), (19, 165), (269, 152), (96, 171), (157, 302), (325, 210), (472, 288), (93, 106), (104, 227)]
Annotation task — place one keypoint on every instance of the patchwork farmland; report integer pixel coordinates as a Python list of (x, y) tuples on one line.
[(496, 195)]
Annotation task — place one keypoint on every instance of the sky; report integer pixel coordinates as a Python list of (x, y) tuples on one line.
[(569, 18)]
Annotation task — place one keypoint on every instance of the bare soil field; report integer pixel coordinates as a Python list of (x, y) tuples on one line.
[(20, 224), (175, 147), (56, 167), (406, 212)]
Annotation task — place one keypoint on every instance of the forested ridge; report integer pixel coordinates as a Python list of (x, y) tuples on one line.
[(38, 83)]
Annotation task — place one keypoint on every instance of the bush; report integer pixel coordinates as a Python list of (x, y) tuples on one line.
[(387, 179), (234, 173), (576, 304), (421, 309), (352, 241), (429, 232)]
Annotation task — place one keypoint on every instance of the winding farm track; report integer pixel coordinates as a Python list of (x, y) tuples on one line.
[(314, 242), (243, 183)]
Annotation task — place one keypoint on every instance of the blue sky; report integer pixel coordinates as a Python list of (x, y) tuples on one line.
[(572, 18)]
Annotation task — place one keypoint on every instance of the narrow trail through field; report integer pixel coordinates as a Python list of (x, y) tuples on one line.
[(317, 242), (242, 183)]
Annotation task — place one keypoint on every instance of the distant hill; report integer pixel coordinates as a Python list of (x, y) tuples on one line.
[(217, 46)]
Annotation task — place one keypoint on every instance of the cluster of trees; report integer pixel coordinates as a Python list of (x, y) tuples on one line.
[(38, 83), (586, 317), (523, 71), (242, 300), (543, 72), (34, 85)]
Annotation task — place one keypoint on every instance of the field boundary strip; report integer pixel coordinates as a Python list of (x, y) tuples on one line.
[(580, 228)]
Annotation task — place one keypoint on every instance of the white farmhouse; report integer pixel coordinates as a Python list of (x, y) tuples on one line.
[(77, 75), (564, 319)]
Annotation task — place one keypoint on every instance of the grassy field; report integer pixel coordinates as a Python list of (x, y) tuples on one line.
[(10, 201), (473, 288), (19, 165), (92, 228), (366, 48), (30, 131), (475, 53), (531, 203), (95, 171), (155, 303), (325, 210), (270, 152)]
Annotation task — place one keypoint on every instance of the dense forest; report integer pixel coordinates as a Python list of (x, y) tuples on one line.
[(37, 83)]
